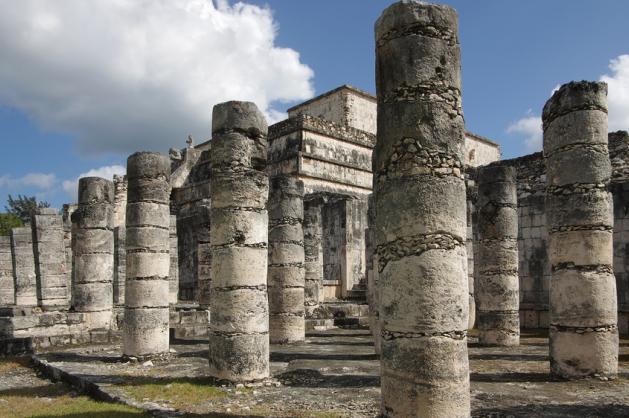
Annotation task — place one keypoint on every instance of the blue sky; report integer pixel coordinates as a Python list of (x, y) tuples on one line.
[(80, 89)]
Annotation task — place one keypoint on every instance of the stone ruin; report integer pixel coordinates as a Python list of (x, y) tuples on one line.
[(353, 212)]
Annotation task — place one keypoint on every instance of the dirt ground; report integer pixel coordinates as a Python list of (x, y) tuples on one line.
[(333, 374)]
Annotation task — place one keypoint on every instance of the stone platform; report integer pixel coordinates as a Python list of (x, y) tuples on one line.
[(334, 373)]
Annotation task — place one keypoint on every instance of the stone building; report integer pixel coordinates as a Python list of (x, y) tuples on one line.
[(327, 143)]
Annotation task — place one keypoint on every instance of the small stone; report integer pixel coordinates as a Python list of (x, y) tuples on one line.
[(148, 363)]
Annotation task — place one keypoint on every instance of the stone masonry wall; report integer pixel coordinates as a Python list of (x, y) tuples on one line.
[(534, 268)]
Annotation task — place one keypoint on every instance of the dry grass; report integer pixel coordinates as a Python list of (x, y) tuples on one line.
[(56, 400)]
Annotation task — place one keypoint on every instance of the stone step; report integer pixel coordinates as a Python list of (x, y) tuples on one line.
[(352, 322)]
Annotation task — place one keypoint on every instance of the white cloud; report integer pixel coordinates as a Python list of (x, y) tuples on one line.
[(36, 180), (618, 93), (530, 127), (107, 172), (128, 75)]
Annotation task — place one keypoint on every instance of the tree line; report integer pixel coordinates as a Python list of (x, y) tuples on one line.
[(19, 211)]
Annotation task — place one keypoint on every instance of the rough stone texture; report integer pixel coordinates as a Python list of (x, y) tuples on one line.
[(497, 296), (66, 214), (286, 272), (190, 201), (93, 248), (373, 290), (120, 200), (313, 253), (7, 287), (204, 254), (120, 263), (472, 235), (583, 307), (173, 274), (146, 313), (420, 205), (239, 321), (24, 266), (50, 260)]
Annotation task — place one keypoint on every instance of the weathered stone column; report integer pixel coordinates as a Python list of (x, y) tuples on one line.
[(583, 317), (239, 314), (420, 205), (497, 287), (146, 314), (50, 260), (313, 254), (93, 250), (286, 273), (120, 263), (7, 287), (173, 274), (373, 293), (24, 266), (204, 254)]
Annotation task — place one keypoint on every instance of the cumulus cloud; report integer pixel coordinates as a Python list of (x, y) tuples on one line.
[(618, 93), (530, 128), (107, 172), (127, 75), (35, 180)]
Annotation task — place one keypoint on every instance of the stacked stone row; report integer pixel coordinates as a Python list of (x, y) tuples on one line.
[(420, 210), (583, 305), (7, 289), (120, 263), (497, 287), (173, 274), (313, 254), (50, 266), (373, 292), (148, 260), (93, 250), (204, 254), (286, 273), (239, 313), (24, 266)]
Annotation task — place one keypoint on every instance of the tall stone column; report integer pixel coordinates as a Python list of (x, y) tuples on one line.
[(173, 274), (583, 306), (204, 254), (286, 273), (146, 312), (373, 292), (420, 205), (93, 252), (24, 266), (7, 287), (120, 263), (313, 253), (239, 313), (497, 287), (50, 260)]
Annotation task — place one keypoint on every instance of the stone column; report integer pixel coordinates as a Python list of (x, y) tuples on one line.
[(173, 274), (67, 212), (420, 204), (120, 263), (24, 266), (7, 287), (239, 314), (93, 250), (50, 263), (286, 273), (373, 293), (313, 253), (146, 312), (497, 282), (204, 254), (583, 317)]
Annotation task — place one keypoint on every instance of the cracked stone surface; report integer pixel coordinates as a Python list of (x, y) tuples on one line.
[(335, 373)]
